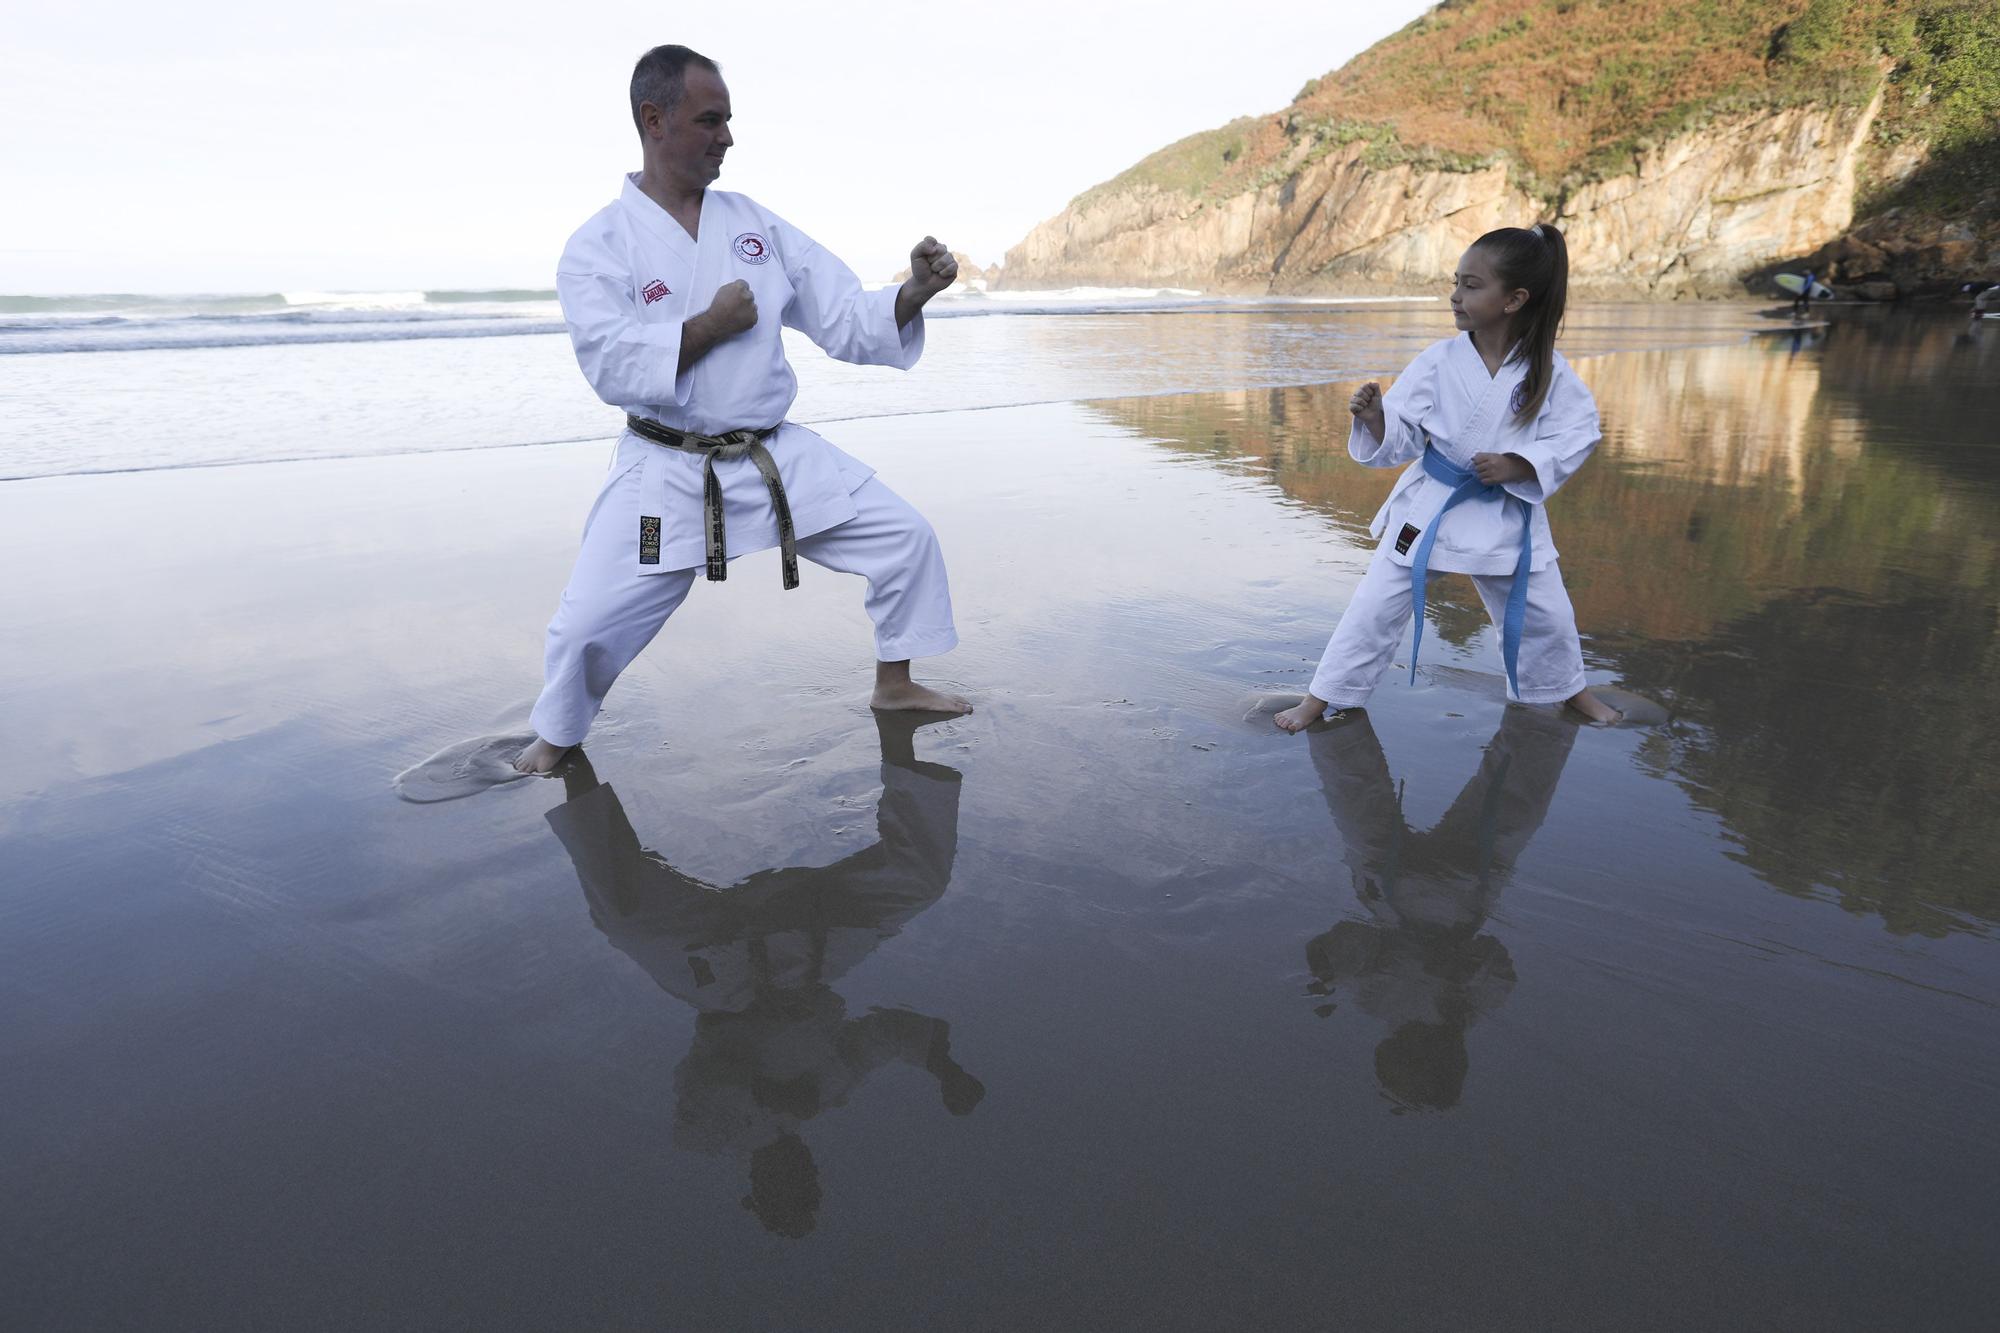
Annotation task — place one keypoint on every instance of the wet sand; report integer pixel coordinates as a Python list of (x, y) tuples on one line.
[(1108, 1006)]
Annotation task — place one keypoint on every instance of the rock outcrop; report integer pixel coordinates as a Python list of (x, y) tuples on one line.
[(1715, 194)]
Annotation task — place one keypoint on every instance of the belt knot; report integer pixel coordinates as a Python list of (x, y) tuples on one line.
[(728, 447), (1466, 485)]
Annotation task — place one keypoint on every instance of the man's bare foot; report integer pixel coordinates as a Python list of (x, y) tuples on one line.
[(1310, 710), (1594, 708), (914, 698), (540, 758), (896, 692)]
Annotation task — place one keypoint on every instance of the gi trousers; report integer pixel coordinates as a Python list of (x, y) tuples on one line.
[(608, 614), (1550, 667)]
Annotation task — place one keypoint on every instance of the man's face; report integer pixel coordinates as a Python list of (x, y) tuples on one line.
[(691, 139)]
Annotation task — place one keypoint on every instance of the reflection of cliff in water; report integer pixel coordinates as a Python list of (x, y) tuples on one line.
[(1798, 551), (774, 1045), (1850, 746)]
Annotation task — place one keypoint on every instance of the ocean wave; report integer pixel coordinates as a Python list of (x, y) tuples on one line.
[(136, 305), (355, 300), (126, 303), (46, 325), (191, 335), (495, 296)]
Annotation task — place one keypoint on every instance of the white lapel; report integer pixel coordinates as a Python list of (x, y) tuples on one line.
[(656, 222), (711, 250), (1492, 397)]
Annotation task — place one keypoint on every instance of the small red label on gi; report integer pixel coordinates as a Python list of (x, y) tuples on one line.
[(752, 248), (654, 290)]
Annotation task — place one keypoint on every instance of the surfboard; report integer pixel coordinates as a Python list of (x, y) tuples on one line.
[(1796, 283)]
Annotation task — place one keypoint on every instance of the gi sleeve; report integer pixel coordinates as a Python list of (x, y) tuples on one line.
[(829, 306), (1566, 430), (1403, 409), (628, 361)]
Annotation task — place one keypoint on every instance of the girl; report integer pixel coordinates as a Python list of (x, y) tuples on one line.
[(1491, 423)]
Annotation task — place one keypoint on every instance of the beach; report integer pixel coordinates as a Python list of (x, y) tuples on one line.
[(1106, 1005)]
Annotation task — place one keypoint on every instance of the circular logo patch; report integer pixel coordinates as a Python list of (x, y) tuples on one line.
[(752, 248)]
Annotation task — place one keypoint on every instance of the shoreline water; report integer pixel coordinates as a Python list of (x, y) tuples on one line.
[(363, 394), (73, 324), (1229, 1002)]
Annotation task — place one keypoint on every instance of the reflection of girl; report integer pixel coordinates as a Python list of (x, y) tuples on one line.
[(1491, 423), (1423, 963)]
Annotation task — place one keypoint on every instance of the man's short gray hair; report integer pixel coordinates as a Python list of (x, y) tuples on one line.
[(660, 77)]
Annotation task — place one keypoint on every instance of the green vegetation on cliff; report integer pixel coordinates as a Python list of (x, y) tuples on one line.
[(1189, 166), (1944, 90), (1569, 91)]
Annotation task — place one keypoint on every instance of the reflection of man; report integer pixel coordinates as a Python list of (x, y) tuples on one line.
[(676, 296), (1422, 966), (773, 1044)]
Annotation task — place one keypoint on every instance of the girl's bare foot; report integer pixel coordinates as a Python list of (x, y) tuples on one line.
[(1310, 710), (540, 758), (896, 692), (1594, 708)]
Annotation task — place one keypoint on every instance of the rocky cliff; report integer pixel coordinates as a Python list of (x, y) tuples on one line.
[(1685, 150)]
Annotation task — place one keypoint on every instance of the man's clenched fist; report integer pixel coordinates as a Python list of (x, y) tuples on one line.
[(932, 269), (732, 311)]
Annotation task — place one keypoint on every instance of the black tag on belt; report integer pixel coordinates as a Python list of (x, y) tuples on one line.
[(649, 541), (1404, 538)]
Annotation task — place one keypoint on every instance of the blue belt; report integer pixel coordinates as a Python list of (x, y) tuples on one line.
[(1466, 485)]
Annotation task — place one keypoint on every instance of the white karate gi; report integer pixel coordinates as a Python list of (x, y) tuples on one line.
[(1447, 394), (629, 278)]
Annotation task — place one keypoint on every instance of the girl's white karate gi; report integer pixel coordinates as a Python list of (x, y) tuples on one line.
[(1447, 394), (629, 278)]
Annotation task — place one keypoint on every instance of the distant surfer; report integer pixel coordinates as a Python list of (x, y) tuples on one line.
[(1802, 303), (1985, 299)]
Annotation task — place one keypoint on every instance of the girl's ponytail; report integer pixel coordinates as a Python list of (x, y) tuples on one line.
[(1536, 259)]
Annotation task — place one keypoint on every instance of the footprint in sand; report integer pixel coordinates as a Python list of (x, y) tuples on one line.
[(464, 769), (1639, 711), (1263, 703)]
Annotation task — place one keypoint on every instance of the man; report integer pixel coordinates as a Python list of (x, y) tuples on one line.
[(675, 296)]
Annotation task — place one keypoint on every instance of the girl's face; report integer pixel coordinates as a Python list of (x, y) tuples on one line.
[(1479, 300)]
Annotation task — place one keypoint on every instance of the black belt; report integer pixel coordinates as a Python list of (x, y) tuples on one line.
[(735, 444)]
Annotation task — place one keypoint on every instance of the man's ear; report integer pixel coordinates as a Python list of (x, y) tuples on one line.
[(650, 117)]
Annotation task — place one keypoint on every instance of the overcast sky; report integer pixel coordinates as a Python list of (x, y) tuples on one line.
[(217, 146)]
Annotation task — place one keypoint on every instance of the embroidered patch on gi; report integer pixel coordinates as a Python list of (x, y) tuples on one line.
[(654, 290), (649, 540), (1404, 538), (752, 248), (1519, 397)]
